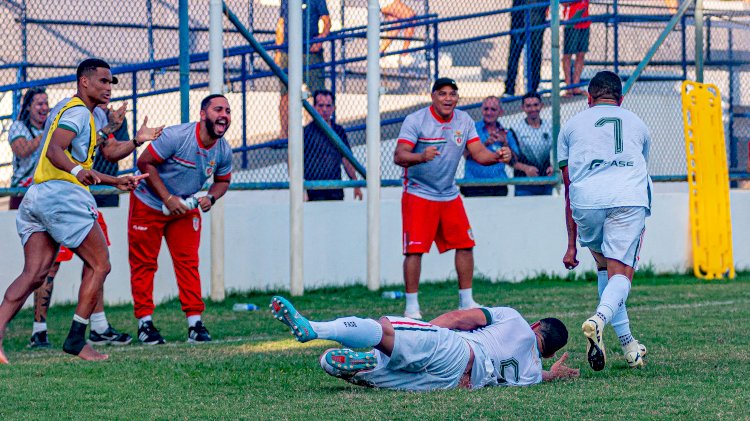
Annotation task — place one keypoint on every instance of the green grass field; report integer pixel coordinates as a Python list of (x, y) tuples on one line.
[(696, 333)]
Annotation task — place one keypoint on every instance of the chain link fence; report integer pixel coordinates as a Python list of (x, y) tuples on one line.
[(477, 43)]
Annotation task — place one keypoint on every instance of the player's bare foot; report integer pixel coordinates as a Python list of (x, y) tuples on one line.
[(88, 353)]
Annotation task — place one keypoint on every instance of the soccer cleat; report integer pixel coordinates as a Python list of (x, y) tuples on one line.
[(634, 353), (110, 337), (345, 363), (416, 315), (39, 340), (592, 329), (285, 312), (149, 335), (198, 334)]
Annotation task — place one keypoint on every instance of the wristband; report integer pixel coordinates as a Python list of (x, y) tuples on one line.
[(76, 170), (101, 134), (136, 143), (211, 198)]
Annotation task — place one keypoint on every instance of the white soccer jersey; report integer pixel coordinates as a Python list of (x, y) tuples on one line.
[(510, 344), (605, 148)]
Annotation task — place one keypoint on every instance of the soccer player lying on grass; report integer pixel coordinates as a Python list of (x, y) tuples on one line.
[(464, 348)]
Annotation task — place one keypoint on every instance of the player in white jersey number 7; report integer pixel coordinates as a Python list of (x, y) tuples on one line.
[(474, 348), (603, 154)]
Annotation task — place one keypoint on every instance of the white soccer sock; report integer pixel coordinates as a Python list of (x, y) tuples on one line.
[(79, 319), (353, 332), (465, 299), (613, 297), (38, 327), (143, 320), (621, 324), (99, 322), (412, 302), (192, 320), (602, 280)]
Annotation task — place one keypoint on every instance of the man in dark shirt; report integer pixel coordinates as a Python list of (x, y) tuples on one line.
[(322, 160), (537, 16)]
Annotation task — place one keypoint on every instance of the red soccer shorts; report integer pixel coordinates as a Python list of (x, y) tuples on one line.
[(65, 255), (427, 221)]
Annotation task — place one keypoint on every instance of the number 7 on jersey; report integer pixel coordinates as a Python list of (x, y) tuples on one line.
[(618, 130)]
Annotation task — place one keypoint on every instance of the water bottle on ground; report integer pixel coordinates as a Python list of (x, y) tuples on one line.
[(393, 295), (191, 203), (244, 307)]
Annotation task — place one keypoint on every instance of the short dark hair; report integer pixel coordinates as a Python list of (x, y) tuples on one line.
[(207, 100), (531, 95), (324, 92), (90, 65), (606, 85), (554, 336)]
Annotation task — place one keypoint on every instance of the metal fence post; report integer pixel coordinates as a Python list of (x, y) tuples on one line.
[(616, 38), (215, 86), (184, 62), (699, 41), (555, 39), (243, 69), (296, 150), (373, 145)]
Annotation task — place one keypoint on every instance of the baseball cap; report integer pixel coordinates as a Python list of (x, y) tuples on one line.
[(444, 81), (93, 63)]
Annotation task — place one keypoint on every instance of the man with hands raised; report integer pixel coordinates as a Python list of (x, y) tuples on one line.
[(430, 146)]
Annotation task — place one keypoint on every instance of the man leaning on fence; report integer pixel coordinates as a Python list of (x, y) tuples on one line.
[(312, 52), (322, 160), (494, 136), (534, 136)]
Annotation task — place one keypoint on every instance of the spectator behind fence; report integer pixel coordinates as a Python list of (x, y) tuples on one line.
[(111, 127), (494, 136), (179, 163), (394, 10), (430, 145), (534, 137), (312, 52), (322, 160), (538, 16), (576, 42), (25, 138)]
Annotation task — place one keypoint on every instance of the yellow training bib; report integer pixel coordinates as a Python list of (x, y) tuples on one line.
[(45, 171)]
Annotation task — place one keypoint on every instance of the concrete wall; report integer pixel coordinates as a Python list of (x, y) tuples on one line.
[(516, 238)]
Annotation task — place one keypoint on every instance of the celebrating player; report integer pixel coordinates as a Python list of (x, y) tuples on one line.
[(603, 154), (489, 347), (430, 145), (179, 163), (59, 209)]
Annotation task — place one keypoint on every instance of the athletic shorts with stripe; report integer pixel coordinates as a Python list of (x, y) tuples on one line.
[(60, 208), (617, 233), (427, 221), (425, 357), (65, 254)]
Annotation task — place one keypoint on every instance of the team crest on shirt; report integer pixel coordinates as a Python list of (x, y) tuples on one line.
[(457, 137), (210, 168), (196, 223)]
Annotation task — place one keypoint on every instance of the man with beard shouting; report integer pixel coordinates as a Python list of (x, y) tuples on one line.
[(179, 163)]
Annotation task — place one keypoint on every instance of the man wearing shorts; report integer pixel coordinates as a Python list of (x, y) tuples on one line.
[(603, 153), (179, 162), (576, 43), (312, 52), (58, 208), (430, 145), (110, 127), (464, 348)]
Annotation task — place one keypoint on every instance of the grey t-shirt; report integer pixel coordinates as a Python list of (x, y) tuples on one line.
[(436, 180), (23, 167)]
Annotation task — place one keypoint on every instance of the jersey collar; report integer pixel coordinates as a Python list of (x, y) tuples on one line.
[(440, 119)]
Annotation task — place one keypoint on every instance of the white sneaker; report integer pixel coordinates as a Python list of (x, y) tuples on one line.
[(593, 330), (417, 315), (472, 304), (634, 353)]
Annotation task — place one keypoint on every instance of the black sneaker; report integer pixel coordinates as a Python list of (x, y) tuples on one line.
[(110, 337), (198, 334), (39, 340), (149, 335)]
